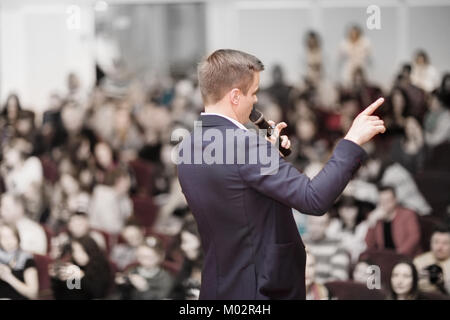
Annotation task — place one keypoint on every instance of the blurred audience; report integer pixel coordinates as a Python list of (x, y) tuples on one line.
[(314, 290), (409, 150), (361, 272), (331, 260), (378, 170), (437, 119), (110, 205), (124, 254), (314, 59), (434, 265), (355, 52), (423, 74), (350, 227), (32, 235), (77, 227), (188, 280), (148, 280), (393, 227), (18, 273), (90, 187), (82, 274), (403, 283)]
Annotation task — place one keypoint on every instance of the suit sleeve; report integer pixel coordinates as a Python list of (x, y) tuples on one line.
[(294, 189)]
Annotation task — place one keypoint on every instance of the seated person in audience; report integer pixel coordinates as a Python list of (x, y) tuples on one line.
[(363, 89), (110, 204), (378, 171), (188, 280), (124, 254), (400, 108), (21, 172), (437, 119), (86, 275), (148, 280), (77, 227), (67, 195), (423, 73), (403, 284), (332, 262), (349, 227), (32, 235), (393, 227), (444, 89), (104, 155), (361, 271), (409, 148), (18, 273), (10, 111), (314, 290), (415, 95), (434, 265)]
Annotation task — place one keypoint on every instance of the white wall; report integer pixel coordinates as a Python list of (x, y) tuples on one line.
[(274, 30), (38, 49)]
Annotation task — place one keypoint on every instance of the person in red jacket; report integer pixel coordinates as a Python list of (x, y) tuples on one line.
[(393, 227)]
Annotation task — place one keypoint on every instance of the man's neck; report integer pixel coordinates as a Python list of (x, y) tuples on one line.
[(391, 215)]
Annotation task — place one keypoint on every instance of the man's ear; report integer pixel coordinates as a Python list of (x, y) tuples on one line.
[(234, 96)]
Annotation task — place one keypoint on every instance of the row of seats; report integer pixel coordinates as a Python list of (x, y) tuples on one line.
[(172, 263), (350, 290)]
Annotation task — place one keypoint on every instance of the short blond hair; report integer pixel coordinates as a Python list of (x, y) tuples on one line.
[(224, 70)]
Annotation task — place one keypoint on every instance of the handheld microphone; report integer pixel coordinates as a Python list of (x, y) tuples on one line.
[(258, 119)]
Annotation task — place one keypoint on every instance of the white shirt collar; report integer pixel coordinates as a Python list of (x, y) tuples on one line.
[(240, 125)]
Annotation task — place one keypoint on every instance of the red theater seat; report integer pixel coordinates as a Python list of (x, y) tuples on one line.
[(143, 172), (42, 263), (350, 290), (145, 211)]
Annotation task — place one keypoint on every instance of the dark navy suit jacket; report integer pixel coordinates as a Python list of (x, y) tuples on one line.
[(252, 247)]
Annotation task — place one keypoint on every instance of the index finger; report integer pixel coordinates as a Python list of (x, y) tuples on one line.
[(374, 106)]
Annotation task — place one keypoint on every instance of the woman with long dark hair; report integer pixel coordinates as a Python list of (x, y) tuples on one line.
[(86, 275), (403, 283), (11, 108), (188, 279), (350, 227), (400, 108), (9, 116)]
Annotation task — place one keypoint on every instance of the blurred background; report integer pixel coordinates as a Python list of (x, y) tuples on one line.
[(90, 92)]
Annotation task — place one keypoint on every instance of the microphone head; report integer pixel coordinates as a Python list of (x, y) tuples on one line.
[(255, 115)]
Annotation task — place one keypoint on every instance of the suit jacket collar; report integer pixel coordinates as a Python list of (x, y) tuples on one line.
[(212, 120)]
